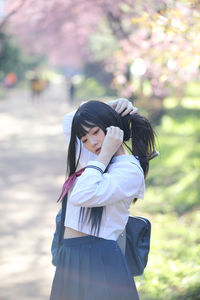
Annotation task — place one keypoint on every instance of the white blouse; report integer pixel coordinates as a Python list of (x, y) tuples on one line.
[(114, 190)]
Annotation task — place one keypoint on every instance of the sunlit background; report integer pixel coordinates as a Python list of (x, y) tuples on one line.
[(56, 54)]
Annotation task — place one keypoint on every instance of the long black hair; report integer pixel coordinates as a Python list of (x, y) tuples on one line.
[(136, 127)]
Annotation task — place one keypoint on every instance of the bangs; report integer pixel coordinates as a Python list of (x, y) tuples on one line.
[(80, 124)]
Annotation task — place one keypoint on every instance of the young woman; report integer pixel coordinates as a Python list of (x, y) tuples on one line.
[(90, 264)]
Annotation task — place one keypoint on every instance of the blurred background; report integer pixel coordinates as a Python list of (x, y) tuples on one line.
[(55, 54)]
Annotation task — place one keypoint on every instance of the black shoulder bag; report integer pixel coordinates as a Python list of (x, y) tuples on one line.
[(135, 243)]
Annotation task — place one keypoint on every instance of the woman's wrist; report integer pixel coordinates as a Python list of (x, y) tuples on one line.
[(104, 158)]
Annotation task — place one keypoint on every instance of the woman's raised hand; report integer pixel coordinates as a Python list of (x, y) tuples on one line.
[(123, 105), (112, 141)]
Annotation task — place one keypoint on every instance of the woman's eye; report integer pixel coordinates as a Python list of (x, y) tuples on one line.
[(96, 131), (84, 141)]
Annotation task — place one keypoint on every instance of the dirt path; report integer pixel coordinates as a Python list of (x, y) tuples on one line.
[(32, 168)]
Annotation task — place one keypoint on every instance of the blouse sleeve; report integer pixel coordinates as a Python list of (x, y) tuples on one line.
[(85, 154), (93, 188)]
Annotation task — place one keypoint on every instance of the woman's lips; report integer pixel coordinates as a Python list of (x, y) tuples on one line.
[(98, 150)]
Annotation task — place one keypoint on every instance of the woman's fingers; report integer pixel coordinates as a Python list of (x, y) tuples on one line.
[(115, 132), (125, 106), (129, 110), (121, 105), (134, 110)]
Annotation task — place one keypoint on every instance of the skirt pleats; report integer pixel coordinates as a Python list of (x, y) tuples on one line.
[(91, 268)]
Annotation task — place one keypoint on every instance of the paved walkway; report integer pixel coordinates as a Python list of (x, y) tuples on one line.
[(32, 170)]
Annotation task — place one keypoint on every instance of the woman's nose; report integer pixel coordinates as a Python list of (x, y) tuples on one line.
[(93, 140)]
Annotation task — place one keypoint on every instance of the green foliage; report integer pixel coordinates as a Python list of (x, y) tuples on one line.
[(192, 89), (172, 203), (89, 88), (103, 43), (13, 59), (176, 170)]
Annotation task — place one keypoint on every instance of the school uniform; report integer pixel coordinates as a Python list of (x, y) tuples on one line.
[(93, 267)]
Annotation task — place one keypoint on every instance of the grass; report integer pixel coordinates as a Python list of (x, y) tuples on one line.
[(172, 204)]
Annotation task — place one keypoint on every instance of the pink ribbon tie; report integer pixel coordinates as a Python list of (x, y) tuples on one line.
[(69, 183)]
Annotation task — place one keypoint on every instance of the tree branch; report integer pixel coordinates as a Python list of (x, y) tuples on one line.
[(14, 11)]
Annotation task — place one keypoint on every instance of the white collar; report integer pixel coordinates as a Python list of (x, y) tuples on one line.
[(124, 157)]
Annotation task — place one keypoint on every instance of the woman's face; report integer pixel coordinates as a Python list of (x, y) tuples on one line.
[(93, 140)]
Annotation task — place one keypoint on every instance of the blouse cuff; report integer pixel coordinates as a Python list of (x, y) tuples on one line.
[(96, 165)]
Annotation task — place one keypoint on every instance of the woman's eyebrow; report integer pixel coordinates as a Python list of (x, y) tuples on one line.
[(89, 130), (86, 132)]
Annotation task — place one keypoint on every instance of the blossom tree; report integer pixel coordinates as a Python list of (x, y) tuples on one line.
[(149, 47)]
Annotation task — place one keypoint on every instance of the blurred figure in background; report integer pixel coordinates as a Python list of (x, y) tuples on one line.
[(10, 80), (38, 85), (70, 89)]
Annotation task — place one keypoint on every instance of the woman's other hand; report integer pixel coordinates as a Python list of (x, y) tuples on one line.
[(113, 139), (123, 105), (112, 142)]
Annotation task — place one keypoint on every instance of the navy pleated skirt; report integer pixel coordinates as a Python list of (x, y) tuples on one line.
[(91, 268)]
